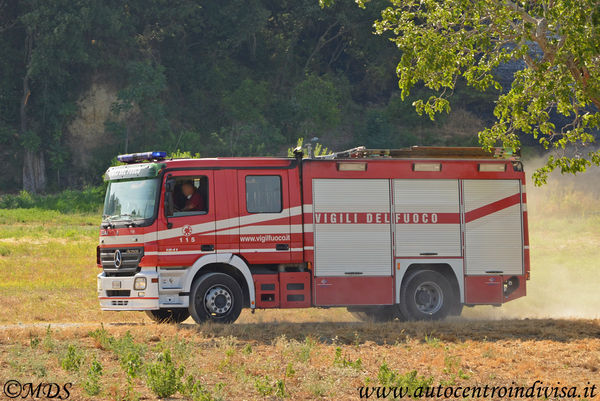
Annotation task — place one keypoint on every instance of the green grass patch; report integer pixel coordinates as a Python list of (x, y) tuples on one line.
[(46, 217), (86, 200)]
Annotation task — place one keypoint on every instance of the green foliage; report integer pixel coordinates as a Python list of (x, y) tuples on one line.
[(443, 43), (266, 387), (289, 370), (48, 341), (454, 370), (306, 349), (341, 361), (72, 360), (91, 385), (193, 389), (34, 341), (410, 381), (230, 79), (129, 353), (319, 149), (178, 154), (247, 349), (433, 341), (317, 101), (102, 337), (163, 376), (87, 200)]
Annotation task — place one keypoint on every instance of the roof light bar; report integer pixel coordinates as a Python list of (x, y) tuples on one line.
[(144, 156)]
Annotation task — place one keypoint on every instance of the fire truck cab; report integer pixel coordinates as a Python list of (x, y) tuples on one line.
[(412, 234)]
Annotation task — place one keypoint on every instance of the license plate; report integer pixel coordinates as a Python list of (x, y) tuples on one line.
[(116, 284)]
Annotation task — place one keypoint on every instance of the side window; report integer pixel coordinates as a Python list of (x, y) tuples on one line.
[(263, 194), (190, 196)]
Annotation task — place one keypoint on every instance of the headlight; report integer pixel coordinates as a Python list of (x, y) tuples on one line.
[(139, 283)]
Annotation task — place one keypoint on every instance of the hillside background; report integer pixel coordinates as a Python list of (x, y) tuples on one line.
[(82, 81)]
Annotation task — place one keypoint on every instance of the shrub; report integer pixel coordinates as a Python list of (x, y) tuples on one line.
[(91, 385), (163, 377), (197, 392), (72, 360), (266, 387), (341, 361), (125, 348), (410, 381)]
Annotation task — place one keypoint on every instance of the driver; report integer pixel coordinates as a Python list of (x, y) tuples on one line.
[(193, 199)]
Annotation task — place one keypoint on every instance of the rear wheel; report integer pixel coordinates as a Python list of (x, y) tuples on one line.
[(216, 297), (427, 295), (176, 315)]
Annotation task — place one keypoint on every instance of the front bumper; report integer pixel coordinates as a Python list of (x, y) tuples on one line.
[(117, 293)]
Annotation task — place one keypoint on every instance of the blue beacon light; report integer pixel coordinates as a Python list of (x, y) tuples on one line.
[(144, 156)]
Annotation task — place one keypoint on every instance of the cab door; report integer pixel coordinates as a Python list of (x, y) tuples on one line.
[(265, 236), (186, 235)]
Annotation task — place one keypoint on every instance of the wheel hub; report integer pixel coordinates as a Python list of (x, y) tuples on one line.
[(218, 300), (429, 297)]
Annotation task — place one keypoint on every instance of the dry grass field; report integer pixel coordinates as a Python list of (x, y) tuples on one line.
[(51, 329)]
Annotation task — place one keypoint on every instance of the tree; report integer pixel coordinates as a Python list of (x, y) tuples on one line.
[(557, 42), (56, 49)]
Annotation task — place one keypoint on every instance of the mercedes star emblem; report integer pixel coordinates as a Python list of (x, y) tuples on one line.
[(118, 259)]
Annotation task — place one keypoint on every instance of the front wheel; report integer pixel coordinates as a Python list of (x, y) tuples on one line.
[(216, 297), (176, 315), (427, 295)]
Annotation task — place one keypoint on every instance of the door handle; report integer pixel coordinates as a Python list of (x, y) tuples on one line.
[(282, 247), (207, 248)]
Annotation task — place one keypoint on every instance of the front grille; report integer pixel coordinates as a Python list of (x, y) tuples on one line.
[(117, 293), (130, 260)]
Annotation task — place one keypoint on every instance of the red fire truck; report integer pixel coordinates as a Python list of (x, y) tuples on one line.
[(412, 234)]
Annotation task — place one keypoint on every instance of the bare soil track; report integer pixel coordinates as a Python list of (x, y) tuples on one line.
[(452, 330)]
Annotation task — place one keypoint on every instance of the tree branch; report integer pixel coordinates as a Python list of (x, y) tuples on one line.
[(521, 11), (581, 76), (322, 42)]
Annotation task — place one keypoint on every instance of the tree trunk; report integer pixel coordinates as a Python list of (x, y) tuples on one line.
[(34, 171), (34, 167)]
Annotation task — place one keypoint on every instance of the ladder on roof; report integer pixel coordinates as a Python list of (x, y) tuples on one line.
[(425, 152)]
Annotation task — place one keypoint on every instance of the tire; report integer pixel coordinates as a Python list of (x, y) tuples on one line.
[(427, 295), (457, 311), (216, 297), (176, 315), (377, 314)]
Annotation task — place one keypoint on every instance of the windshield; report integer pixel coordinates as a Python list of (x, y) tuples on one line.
[(130, 200)]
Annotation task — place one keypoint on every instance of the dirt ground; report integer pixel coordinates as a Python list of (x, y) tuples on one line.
[(252, 361)]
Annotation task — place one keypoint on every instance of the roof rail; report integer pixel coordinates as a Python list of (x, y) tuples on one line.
[(424, 152)]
